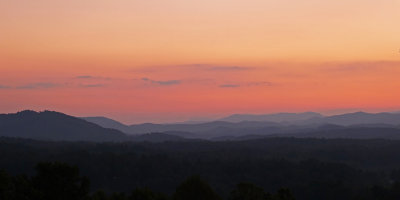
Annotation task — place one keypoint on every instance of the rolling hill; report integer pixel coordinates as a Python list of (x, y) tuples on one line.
[(50, 125), (277, 117), (57, 126)]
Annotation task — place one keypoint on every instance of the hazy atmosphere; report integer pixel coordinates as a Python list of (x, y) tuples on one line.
[(199, 100), (170, 61)]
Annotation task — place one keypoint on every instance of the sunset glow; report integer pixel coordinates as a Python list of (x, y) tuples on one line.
[(176, 60)]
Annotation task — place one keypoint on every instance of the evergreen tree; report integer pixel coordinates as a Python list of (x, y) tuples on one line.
[(194, 188), (59, 181), (248, 191), (6, 189), (284, 194)]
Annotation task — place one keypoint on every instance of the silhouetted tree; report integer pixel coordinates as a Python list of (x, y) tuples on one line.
[(146, 194), (284, 194), (59, 181), (99, 195), (118, 196), (6, 189), (194, 188), (395, 191), (24, 189), (248, 191)]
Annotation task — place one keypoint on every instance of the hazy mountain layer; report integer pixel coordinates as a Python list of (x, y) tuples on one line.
[(54, 126), (57, 126)]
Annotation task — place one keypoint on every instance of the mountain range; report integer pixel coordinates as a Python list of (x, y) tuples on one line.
[(359, 118), (270, 124), (277, 117), (55, 126), (50, 125)]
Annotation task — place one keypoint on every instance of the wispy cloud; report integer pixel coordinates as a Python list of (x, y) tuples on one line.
[(90, 77), (91, 85), (247, 84), (49, 85), (4, 87), (261, 83), (198, 65), (40, 85), (167, 82), (84, 77), (229, 86), (361, 66)]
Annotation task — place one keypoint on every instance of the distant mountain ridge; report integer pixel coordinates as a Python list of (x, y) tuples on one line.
[(332, 133), (277, 117), (308, 124), (55, 126), (49, 125), (359, 118), (107, 123)]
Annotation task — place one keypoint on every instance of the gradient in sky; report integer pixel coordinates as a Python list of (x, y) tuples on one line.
[(175, 60)]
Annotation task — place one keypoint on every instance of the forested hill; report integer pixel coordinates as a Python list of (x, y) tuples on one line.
[(55, 126), (310, 168), (50, 125)]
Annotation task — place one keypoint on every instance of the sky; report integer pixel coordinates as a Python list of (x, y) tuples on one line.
[(175, 60)]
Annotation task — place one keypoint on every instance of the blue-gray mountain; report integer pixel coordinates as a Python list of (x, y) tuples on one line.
[(277, 117), (359, 118), (107, 123), (55, 126), (50, 125), (309, 124)]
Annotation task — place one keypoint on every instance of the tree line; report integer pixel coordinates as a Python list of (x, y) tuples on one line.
[(60, 181), (312, 169)]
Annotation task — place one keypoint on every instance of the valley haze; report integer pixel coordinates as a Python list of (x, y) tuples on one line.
[(199, 100), (55, 126)]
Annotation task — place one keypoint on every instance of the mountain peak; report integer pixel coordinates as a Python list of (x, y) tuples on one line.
[(360, 113), (275, 117), (51, 125), (26, 112)]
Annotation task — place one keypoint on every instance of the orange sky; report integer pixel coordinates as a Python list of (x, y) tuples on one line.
[(174, 60)]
